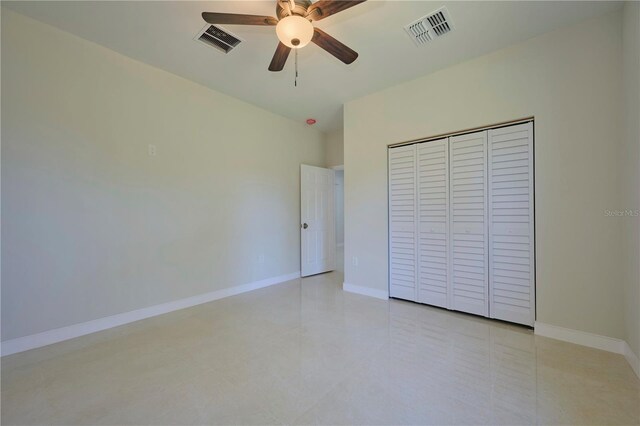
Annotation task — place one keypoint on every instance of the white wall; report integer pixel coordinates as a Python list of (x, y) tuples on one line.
[(334, 155), (570, 81), (631, 170), (339, 206), (92, 225), (334, 148)]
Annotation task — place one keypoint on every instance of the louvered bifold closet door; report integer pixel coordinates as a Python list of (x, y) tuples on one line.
[(402, 222), (468, 223), (433, 216), (511, 232)]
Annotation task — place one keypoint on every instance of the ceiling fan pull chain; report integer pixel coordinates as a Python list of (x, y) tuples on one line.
[(295, 81)]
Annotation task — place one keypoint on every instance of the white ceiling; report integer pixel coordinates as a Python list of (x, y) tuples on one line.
[(161, 34)]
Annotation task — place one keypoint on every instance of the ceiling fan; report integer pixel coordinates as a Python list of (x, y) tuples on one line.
[(294, 27)]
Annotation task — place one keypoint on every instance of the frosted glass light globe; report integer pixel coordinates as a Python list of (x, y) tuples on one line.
[(294, 31)]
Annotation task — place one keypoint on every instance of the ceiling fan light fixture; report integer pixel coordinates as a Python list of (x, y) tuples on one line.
[(294, 31)]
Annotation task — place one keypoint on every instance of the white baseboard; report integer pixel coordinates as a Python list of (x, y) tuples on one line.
[(365, 291), (632, 359), (70, 332), (591, 340), (580, 337)]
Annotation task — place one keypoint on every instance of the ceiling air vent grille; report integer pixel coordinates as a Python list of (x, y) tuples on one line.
[(217, 37), (432, 26)]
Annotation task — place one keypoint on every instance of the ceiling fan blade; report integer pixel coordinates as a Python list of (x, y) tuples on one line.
[(237, 19), (333, 46), (279, 58), (323, 8)]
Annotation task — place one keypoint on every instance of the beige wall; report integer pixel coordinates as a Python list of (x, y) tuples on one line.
[(631, 169), (334, 148), (94, 226), (570, 81)]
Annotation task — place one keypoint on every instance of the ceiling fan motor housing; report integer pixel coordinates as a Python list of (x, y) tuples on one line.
[(299, 9)]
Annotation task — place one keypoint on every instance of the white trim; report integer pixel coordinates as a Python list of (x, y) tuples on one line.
[(340, 167), (580, 337), (76, 330), (632, 359), (365, 291)]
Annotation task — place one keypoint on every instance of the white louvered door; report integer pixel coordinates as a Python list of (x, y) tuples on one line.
[(461, 223), (468, 223), (433, 217), (402, 223), (511, 224)]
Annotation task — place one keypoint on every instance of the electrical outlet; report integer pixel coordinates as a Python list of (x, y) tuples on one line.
[(152, 150), (354, 261), (261, 259)]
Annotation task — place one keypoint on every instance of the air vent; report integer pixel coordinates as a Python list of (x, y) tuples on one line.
[(217, 37), (432, 26)]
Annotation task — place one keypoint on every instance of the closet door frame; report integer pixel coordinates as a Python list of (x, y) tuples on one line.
[(488, 222)]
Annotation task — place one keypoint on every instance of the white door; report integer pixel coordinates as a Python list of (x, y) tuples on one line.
[(433, 217), (469, 246), (511, 234), (402, 223), (318, 239)]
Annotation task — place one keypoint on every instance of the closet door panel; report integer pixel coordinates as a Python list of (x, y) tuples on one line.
[(511, 233), (433, 217), (402, 222), (468, 223)]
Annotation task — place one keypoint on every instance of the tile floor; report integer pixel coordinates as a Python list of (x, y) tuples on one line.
[(305, 352)]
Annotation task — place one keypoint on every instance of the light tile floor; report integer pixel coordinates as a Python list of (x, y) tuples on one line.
[(305, 352)]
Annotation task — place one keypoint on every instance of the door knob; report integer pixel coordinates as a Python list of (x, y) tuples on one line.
[(305, 226)]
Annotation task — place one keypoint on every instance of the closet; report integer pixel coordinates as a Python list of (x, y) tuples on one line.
[(461, 223)]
